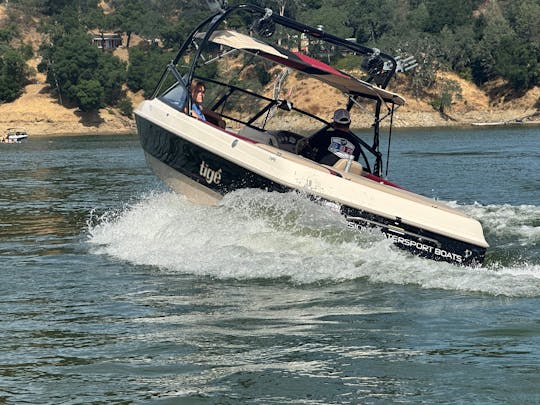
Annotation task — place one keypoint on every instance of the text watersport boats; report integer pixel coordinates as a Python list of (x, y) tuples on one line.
[(257, 68)]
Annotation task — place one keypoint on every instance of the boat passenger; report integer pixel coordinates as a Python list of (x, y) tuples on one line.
[(198, 89), (330, 145)]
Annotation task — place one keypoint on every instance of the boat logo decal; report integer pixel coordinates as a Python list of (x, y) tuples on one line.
[(403, 240), (341, 147), (419, 246), (211, 176)]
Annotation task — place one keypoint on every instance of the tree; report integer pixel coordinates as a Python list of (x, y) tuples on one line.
[(490, 27), (130, 17), (371, 19), (456, 47), (523, 17), (13, 74), (450, 89), (331, 16), (519, 63), (477, 38), (68, 60), (125, 106), (288, 8), (137, 17), (174, 35), (145, 67), (111, 75), (80, 73), (89, 94), (450, 13)]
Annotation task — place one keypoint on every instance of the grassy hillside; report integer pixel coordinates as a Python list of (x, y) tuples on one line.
[(41, 113)]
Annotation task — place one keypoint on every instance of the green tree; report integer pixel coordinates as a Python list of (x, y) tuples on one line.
[(419, 17), (456, 47), (138, 17), (477, 38), (371, 19), (125, 106), (450, 90), (89, 94), (449, 13), (524, 17), (80, 73), (491, 29), (111, 74), (518, 62), (70, 59), (146, 64), (13, 74), (9, 32), (332, 16), (174, 34)]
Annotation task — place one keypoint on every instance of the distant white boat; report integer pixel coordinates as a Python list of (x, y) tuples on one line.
[(15, 135), (500, 123)]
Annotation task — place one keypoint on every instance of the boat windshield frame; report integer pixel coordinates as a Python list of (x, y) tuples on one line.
[(201, 37)]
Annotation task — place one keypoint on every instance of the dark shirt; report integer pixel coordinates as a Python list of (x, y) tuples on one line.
[(327, 147)]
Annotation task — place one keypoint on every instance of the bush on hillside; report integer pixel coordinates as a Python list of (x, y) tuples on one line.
[(125, 106), (13, 74)]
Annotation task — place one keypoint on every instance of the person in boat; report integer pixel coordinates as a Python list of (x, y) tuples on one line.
[(198, 91), (330, 145)]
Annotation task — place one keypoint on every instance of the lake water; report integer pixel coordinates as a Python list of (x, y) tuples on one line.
[(115, 290)]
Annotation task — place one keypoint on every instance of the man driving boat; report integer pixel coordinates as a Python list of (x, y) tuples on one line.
[(330, 145)]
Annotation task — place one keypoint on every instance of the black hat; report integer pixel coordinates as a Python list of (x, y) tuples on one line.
[(342, 116)]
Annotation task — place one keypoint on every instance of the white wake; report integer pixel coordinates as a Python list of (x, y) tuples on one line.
[(253, 234)]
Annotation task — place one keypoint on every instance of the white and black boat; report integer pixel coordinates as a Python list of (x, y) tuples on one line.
[(15, 135), (258, 68)]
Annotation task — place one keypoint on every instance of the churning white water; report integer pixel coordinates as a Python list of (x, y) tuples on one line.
[(254, 234)]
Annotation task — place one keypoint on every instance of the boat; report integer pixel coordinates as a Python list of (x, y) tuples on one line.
[(257, 69), (15, 135)]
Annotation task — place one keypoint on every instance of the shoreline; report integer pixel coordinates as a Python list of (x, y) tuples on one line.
[(42, 115), (71, 129)]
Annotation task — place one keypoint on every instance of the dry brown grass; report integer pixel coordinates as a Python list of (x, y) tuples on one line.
[(40, 113)]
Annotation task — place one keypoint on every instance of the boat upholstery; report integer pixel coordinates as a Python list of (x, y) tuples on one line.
[(355, 168), (258, 136), (295, 158)]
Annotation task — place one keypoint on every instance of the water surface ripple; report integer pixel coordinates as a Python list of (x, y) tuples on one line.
[(115, 290)]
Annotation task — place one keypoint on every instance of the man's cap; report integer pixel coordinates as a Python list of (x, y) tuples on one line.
[(342, 116)]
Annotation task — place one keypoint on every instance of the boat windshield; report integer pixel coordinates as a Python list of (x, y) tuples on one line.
[(269, 73)]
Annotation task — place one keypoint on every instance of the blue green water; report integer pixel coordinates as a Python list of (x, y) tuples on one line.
[(115, 290)]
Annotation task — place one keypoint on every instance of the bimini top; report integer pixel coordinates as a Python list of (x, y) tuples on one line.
[(306, 64)]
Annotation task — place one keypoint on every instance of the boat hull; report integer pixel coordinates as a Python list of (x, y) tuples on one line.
[(15, 138), (205, 176)]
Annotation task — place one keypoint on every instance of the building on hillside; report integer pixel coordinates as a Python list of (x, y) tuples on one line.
[(107, 40)]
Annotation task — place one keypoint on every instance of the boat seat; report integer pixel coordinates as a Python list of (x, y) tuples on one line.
[(287, 140), (295, 158), (259, 136), (355, 168), (214, 118)]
